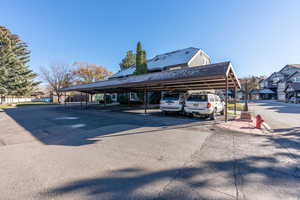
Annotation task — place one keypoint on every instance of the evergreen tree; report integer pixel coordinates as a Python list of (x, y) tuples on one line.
[(16, 77), (128, 61), (144, 66), (5, 54), (141, 60)]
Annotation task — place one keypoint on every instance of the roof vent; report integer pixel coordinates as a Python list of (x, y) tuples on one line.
[(156, 59), (187, 52)]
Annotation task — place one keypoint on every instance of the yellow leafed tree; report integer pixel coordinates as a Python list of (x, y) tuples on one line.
[(88, 73)]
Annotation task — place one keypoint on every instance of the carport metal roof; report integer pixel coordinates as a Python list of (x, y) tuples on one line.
[(205, 77)]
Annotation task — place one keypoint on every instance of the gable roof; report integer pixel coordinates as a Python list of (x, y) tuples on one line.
[(296, 66), (166, 60), (274, 74), (290, 76), (262, 78), (286, 76)]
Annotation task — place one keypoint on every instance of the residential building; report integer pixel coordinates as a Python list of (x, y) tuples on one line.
[(278, 81), (292, 86), (188, 57), (293, 91), (262, 94)]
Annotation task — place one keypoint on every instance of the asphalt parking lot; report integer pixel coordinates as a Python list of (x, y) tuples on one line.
[(48, 152)]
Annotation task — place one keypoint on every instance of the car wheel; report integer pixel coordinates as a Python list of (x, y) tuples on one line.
[(213, 115), (222, 112), (189, 115), (203, 116)]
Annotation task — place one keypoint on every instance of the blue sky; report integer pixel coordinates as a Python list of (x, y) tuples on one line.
[(258, 37)]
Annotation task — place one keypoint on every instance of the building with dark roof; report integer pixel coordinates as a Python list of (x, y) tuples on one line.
[(179, 59), (278, 81), (188, 57)]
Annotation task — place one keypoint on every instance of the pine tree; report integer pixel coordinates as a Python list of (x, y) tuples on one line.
[(128, 61), (5, 54), (144, 65), (141, 60), (16, 77)]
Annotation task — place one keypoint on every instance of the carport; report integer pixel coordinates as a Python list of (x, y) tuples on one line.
[(206, 77)]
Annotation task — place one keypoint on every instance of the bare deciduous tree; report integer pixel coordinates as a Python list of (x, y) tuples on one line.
[(57, 76)]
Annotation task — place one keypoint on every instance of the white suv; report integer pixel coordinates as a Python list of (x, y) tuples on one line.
[(172, 102), (204, 104)]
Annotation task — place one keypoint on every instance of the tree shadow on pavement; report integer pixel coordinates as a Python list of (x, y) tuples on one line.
[(214, 172), (75, 127), (287, 137), (225, 179), (282, 107)]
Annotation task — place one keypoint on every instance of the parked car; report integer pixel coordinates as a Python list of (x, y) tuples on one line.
[(294, 100), (207, 105), (172, 102)]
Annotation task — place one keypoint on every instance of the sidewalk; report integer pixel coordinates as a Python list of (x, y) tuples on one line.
[(242, 126)]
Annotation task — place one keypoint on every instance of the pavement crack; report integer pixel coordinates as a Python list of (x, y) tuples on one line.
[(290, 155), (180, 172), (2, 143), (235, 169)]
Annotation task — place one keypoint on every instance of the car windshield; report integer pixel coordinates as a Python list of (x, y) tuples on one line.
[(198, 98), (170, 97)]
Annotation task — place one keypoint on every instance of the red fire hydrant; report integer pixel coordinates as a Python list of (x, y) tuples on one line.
[(259, 121)]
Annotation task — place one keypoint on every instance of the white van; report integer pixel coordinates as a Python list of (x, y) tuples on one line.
[(204, 104), (172, 102)]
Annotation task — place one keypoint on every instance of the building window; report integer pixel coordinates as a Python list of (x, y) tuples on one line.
[(296, 79), (114, 97), (275, 80)]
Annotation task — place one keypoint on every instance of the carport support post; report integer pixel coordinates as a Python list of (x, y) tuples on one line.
[(104, 98), (226, 99), (86, 100), (65, 100), (235, 99), (81, 100), (145, 100), (68, 97)]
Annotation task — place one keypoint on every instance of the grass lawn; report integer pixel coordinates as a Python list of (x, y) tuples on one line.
[(4, 106), (13, 105), (239, 106)]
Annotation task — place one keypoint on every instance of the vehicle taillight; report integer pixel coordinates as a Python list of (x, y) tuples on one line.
[(208, 105)]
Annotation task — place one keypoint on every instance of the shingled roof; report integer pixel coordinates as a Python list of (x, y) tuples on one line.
[(210, 76), (166, 60)]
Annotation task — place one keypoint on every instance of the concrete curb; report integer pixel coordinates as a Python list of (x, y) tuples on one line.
[(266, 126)]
